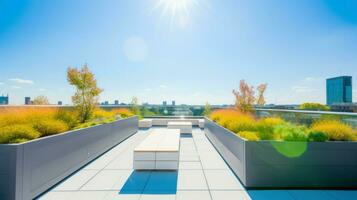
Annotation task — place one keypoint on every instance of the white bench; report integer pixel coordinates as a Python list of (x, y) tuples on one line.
[(145, 123), (185, 127), (158, 151)]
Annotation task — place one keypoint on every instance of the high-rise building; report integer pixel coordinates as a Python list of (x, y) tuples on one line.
[(173, 103), (59, 103), (4, 100), (339, 90), (116, 102), (164, 103), (27, 100)]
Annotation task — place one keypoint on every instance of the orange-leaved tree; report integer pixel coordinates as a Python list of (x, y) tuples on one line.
[(244, 97), (261, 89)]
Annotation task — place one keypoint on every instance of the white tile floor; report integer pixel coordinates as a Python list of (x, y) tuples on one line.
[(202, 175)]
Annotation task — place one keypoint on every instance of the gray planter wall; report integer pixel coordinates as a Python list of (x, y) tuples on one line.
[(267, 164), (29, 169)]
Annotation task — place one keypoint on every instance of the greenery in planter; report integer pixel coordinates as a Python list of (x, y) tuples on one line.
[(20, 124), (314, 106), (246, 125)]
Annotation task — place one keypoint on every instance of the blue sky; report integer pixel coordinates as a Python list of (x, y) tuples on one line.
[(140, 48)]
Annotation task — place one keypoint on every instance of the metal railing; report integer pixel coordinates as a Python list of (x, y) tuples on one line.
[(307, 117)]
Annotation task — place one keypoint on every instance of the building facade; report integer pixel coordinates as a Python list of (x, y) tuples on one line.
[(339, 90), (4, 100), (27, 100)]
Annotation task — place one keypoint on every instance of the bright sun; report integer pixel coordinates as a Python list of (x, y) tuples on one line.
[(178, 11)]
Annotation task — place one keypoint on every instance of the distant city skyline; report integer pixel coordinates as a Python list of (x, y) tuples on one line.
[(135, 48)]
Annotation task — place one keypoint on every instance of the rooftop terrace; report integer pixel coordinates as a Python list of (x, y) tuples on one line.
[(202, 174)]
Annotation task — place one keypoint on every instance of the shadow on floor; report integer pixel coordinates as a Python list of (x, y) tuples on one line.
[(303, 194), (186, 135), (151, 182)]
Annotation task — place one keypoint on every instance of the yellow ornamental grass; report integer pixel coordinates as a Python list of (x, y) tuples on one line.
[(242, 123), (249, 135), (100, 113), (50, 127), (17, 133), (24, 115), (123, 112), (335, 130)]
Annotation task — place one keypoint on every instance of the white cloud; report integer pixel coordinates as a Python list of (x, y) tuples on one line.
[(163, 86), (310, 79), (16, 87), (1, 83), (42, 89), (148, 90), (302, 89), (22, 81), (135, 49)]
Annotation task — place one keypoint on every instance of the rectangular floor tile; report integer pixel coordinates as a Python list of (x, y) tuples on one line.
[(157, 197), (162, 182), (193, 195), (76, 181), (88, 195), (56, 196), (230, 195), (191, 180), (222, 180), (105, 180), (190, 165), (117, 196)]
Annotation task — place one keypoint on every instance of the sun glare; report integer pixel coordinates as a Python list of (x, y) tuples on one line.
[(177, 11)]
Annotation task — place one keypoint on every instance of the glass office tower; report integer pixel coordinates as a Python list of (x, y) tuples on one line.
[(339, 90)]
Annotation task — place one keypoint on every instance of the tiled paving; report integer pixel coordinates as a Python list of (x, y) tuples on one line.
[(202, 175)]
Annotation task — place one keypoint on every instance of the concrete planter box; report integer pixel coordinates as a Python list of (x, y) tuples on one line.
[(269, 164), (29, 169)]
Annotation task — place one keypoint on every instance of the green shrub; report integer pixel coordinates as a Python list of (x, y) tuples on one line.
[(291, 132), (87, 124), (317, 136), (249, 135), (265, 127), (314, 106), (50, 127), (17, 133), (69, 117)]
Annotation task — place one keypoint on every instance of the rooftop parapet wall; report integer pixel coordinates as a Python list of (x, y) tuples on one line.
[(29, 169)]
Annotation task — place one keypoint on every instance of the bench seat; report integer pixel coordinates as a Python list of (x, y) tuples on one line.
[(145, 123), (158, 151), (185, 127)]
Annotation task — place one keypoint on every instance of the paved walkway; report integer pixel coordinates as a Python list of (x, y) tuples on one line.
[(202, 175)]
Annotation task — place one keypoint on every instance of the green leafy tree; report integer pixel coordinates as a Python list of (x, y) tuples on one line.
[(87, 93), (134, 106), (314, 106), (208, 109), (40, 100)]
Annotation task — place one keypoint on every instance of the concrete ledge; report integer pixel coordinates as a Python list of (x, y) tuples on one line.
[(273, 164), (165, 121), (185, 127), (29, 169), (145, 123)]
